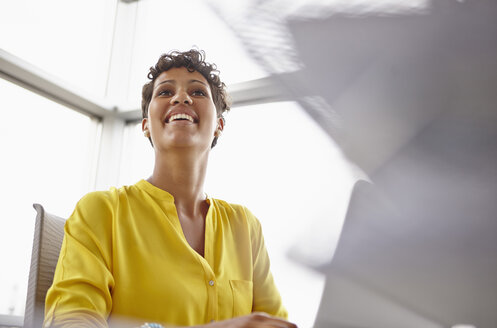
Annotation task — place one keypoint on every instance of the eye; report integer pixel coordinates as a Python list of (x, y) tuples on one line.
[(199, 92), (165, 92)]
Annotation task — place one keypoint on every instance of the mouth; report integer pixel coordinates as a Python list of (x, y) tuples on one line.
[(180, 117)]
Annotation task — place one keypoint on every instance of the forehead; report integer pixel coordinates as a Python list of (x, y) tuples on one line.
[(180, 74)]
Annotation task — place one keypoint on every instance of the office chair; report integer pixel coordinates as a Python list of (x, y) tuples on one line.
[(48, 235)]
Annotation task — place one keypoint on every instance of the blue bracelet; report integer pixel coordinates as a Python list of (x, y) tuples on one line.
[(152, 325)]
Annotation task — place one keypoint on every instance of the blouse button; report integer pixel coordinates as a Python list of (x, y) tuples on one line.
[(211, 282)]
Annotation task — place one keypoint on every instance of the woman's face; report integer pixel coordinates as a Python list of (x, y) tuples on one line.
[(181, 112)]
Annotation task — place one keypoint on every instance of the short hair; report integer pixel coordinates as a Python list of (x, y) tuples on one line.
[(192, 60)]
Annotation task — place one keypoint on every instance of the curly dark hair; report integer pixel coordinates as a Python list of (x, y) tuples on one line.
[(192, 60)]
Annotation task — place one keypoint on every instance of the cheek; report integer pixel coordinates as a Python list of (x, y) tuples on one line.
[(214, 121), (154, 110)]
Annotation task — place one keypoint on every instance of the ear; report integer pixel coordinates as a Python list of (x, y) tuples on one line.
[(145, 129), (220, 125)]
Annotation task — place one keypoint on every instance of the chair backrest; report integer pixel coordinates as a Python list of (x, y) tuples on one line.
[(49, 232)]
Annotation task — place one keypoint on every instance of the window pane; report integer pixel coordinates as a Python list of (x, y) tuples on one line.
[(47, 156), (277, 161), (69, 39), (189, 23), (138, 156)]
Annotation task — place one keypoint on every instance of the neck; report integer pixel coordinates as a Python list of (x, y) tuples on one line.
[(182, 174)]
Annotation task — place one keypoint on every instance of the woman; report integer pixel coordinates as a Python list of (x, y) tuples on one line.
[(161, 250)]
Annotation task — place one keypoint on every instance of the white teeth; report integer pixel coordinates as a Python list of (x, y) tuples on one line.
[(179, 117)]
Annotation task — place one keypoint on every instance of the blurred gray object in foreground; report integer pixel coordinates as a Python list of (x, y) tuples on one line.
[(415, 96), (418, 99)]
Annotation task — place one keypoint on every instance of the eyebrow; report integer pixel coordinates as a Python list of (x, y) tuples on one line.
[(174, 82)]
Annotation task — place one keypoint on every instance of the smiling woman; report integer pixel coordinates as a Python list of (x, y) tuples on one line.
[(181, 109), (203, 83), (161, 250)]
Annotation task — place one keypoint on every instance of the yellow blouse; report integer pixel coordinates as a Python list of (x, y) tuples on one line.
[(124, 255)]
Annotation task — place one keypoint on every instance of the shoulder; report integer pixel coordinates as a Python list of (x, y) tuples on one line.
[(98, 198), (105, 199), (236, 213), (96, 206), (99, 201)]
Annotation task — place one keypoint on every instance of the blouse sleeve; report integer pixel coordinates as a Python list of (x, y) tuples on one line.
[(80, 295), (266, 297)]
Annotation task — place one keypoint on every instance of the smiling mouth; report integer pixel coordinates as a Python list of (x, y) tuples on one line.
[(180, 117)]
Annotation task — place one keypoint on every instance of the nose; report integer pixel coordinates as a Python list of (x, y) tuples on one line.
[(181, 97)]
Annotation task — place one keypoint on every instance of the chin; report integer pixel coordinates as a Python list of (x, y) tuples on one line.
[(182, 143)]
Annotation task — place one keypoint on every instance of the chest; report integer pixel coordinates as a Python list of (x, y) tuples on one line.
[(194, 232), (160, 237), (153, 265)]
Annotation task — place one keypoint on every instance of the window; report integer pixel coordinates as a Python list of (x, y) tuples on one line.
[(68, 39), (47, 158)]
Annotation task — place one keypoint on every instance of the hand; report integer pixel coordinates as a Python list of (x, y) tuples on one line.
[(253, 320)]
